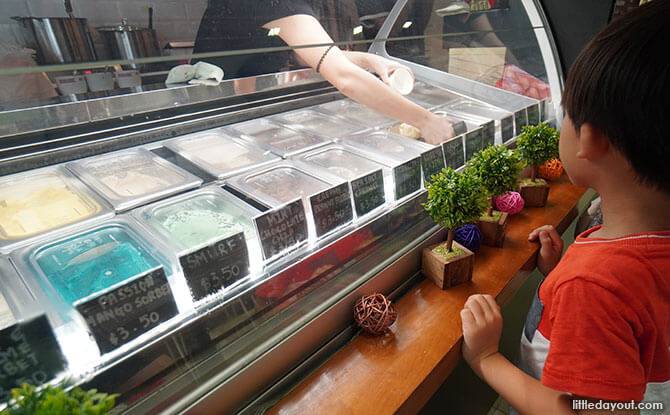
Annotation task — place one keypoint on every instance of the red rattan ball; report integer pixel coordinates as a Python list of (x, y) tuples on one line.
[(374, 314), (551, 169)]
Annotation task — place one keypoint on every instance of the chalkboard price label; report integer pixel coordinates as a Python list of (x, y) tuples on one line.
[(533, 113), (473, 143), (282, 228), (520, 120), (123, 314), (29, 353), (216, 265), (460, 127), (488, 133), (331, 208), (432, 162), (507, 128), (407, 178), (454, 152), (368, 192)]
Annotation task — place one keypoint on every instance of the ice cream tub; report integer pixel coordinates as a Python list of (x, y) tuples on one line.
[(129, 178), (430, 96), (41, 201), (319, 123), (347, 108), (200, 219), (280, 139), (220, 154), (115, 278)]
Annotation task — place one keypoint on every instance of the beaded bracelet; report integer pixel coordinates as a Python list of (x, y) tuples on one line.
[(318, 65)]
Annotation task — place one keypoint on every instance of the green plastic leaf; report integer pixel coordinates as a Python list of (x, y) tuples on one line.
[(537, 144), (455, 199), (498, 168)]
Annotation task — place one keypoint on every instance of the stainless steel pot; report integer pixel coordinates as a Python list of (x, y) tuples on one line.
[(130, 42), (60, 39)]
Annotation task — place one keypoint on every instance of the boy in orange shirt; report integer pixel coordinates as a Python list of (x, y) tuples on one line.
[(599, 328)]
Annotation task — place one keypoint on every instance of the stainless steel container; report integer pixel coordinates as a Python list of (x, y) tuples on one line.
[(130, 42), (60, 39)]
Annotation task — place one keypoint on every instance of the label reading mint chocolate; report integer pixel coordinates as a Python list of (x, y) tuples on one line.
[(488, 133), (282, 228), (454, 152), (533, 113), (432, 162), (473, 143), (29, 353), (407, 178), (215, 266), (368, 192), (507, 128), (121, 315), (520, 120), (331, 208)]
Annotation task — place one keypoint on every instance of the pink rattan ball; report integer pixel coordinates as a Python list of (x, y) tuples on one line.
[(374, 314), (510, 202)]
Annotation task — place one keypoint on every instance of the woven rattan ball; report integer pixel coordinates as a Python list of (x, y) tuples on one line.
[(374, 314), (551, 169), (510, 202)]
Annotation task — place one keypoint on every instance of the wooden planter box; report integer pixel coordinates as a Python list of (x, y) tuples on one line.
[(534, 195), (447, 272), (493, 233)]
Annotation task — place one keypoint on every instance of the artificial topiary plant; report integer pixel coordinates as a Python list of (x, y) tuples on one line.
[(57, 400), (536, 145), (498, 168), (455, 199)]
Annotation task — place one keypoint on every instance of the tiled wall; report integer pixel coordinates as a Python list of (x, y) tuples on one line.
[(174, 20)]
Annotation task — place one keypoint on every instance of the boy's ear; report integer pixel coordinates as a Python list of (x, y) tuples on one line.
[(592, 142)]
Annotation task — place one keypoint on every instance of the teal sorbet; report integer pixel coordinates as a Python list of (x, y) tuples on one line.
[(93, 262)]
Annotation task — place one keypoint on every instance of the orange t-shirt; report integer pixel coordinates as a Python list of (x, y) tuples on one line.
[(600, 326)]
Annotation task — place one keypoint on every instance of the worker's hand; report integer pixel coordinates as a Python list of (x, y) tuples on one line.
[(482, 327), (384, 67), (551, 247), (437, 129)]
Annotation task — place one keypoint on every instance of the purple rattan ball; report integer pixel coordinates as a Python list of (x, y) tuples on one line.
[(469, 236), (510, 202)]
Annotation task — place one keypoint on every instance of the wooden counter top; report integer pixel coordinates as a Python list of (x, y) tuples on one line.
[(400, 371)]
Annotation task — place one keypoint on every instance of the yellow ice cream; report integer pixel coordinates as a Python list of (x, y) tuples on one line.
[(27, 209)]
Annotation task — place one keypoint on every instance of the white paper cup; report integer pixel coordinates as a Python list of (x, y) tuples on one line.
[(100, 81), (401, 80), (71, 84), (128, 79)]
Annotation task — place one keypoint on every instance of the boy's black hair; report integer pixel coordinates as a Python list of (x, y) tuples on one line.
[(620, 84)]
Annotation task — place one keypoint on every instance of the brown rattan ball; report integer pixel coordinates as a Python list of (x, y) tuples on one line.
[(551, 169), (374, 314)]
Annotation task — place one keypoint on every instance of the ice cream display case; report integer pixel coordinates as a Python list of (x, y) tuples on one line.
[(196, 248)]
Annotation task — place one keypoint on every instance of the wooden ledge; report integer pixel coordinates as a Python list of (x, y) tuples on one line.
[(400, 371)]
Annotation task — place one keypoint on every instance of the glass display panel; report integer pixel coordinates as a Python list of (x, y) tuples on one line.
[(492, 42)]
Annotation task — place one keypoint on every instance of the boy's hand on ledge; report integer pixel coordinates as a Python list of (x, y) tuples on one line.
[(482, 326), (551, 247)]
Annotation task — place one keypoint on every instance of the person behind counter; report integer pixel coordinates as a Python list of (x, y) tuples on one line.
[(599, 326), (242, 24)]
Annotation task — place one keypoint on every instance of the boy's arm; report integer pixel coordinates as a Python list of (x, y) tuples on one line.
[(482, 326)]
